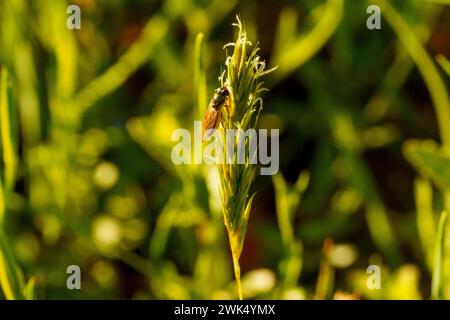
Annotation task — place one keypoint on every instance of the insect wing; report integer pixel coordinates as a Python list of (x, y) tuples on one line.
[(210, 121)]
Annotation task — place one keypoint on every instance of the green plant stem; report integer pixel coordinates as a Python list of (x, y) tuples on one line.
[(237, 274), (236, 250)]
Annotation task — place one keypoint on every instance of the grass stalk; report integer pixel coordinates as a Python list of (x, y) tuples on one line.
[(242, 77)]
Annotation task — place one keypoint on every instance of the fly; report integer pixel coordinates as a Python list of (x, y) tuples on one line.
[(213, 115)]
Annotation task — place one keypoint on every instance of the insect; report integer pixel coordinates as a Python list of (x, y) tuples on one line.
[(212, 117)]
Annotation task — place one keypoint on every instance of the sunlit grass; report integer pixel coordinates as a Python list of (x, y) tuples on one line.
[(85, 170)]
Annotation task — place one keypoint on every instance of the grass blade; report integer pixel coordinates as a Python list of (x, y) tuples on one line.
[(199, 75), (305, 47), (29, 292), (437, 290), (132, 59), (11, 279), (445, 64), (425, 223), (8, 130), (427, 68)]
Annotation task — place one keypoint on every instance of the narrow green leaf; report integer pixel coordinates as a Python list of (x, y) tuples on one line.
[(437, 288), (380, 228), (8, 128), (282, 206), (11, 279), (29, 292), (425, 64), (445, 64), (199, 75), (423, 193), (300, 50), (287, 200), (139, 53)]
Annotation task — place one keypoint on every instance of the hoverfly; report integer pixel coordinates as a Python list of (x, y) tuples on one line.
[(213, 115)]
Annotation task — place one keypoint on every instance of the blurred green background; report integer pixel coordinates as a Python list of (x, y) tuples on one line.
[(86, 119)]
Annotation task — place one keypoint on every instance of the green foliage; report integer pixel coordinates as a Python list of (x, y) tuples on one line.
[(86, 118)]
